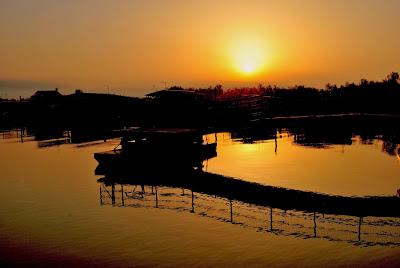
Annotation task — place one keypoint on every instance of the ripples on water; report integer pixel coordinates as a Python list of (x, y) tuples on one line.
[(54, 210), (366, 231)]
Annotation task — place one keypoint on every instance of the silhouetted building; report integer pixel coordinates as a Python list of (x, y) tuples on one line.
[(179, 107), (177, 95), (46, 96)]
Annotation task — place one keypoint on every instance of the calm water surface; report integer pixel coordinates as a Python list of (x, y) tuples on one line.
[(362, 168), (53, 210)]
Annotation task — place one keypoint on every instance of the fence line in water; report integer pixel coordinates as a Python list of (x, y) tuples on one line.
[(364, 231)]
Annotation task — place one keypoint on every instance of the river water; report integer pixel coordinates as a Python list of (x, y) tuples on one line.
[(55, 212), (362, 168)]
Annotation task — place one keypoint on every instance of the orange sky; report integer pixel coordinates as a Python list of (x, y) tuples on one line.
[(136, 46)]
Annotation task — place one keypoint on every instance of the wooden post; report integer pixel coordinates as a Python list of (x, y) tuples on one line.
[(156, 197), (270, 216), (113, 194), (230, 204), (315, 226), (192, 211), (359, 227), (22, 135), (101, 197), (122, 195)]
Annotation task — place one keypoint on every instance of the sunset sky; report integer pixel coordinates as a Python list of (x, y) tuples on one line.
[(136, 47)]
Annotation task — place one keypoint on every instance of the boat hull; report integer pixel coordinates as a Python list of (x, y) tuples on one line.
[(153, 160)]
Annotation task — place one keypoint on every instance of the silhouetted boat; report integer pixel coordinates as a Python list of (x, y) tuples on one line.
[(147, 148)]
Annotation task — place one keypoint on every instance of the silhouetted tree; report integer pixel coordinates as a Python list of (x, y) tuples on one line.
[(393, 77)]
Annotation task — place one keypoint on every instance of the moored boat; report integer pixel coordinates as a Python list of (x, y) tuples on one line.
[(145, 148)]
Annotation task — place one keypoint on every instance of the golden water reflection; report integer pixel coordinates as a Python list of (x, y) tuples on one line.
[(357, 168), (51, 215)]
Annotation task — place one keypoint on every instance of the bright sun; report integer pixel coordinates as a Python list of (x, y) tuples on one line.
[(248, 68), (248, 57)]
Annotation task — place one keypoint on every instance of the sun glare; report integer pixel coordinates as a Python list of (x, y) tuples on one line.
[(248, 57), (248, 68)]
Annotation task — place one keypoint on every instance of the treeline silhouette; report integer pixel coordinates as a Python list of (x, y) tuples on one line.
[(199, 107), (365, 96)]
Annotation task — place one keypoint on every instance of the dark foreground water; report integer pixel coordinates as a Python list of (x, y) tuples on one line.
[(54, 212)]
